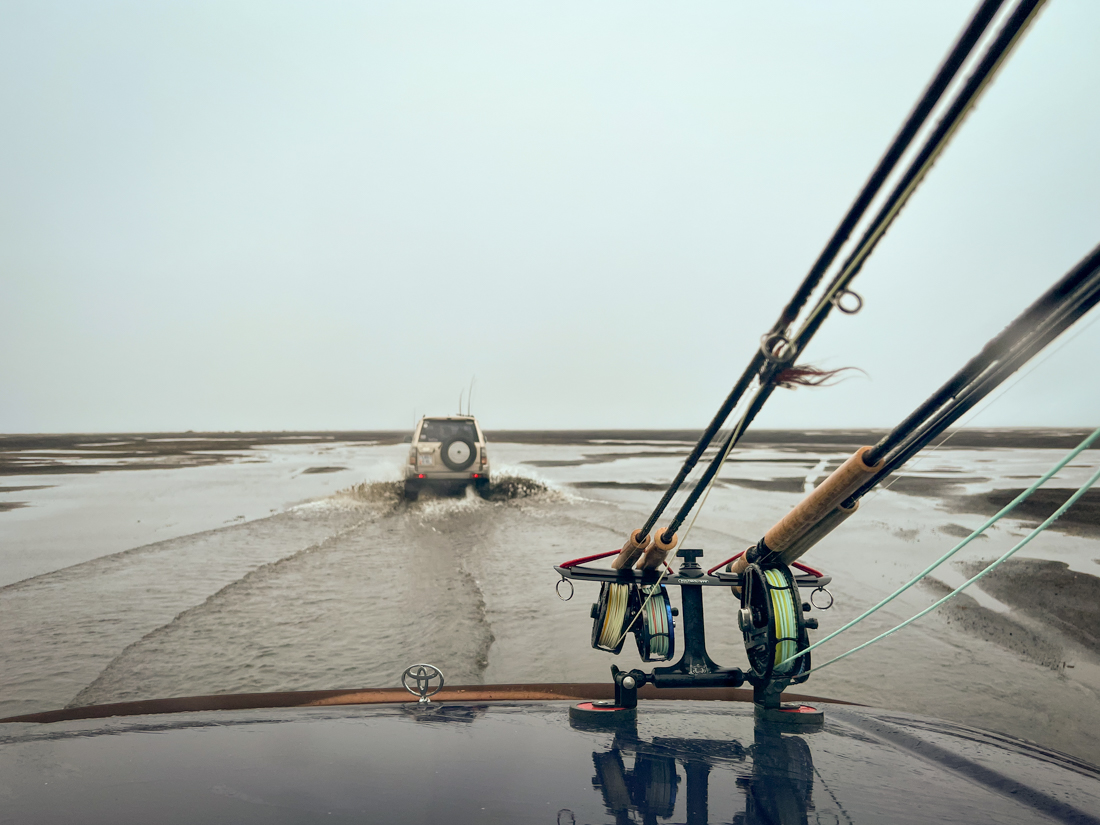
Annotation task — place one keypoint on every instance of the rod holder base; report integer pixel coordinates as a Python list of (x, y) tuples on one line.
[(601, 716), (793, 715)]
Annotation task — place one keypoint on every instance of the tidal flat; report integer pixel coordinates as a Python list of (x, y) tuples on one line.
[(151, 565)]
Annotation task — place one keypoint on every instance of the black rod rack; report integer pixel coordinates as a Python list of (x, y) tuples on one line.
[(695, 668)]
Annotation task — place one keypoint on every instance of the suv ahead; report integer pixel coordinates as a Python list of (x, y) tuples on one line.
[(446, 451)]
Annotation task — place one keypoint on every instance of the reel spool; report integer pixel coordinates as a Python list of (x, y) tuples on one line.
[(611, 615), (654, 630), (616, 610), (772, 626)]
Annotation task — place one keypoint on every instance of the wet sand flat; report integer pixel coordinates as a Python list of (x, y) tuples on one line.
[(271, 561), (65, 454), (1082, 519), (1049, 592), (992, 438)]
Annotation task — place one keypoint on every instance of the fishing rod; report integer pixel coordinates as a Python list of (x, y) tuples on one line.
[(957, 56)]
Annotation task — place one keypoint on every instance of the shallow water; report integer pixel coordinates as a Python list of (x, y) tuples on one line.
[(347, 590)]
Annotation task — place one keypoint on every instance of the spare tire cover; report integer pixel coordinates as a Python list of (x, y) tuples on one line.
[(457, 453)]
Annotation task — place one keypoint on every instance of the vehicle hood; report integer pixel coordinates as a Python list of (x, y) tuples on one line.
[(522, 761)]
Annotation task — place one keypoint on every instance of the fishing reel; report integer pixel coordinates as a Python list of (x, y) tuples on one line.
[(644, 610), (773, 626)]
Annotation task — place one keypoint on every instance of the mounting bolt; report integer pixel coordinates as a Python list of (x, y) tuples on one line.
[(744, 619), (810, 624), (595, 610), (675, 611), (629, 683)]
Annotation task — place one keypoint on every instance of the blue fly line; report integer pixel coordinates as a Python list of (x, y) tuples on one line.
[(1084, 445)]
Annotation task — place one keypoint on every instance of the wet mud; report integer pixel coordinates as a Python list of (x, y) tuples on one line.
[(927, 486), (605, 458), (958, 531), (646, 486), (1082, 519), (1049, 592), (67, 454), (967, 615), (794, 484), (1036, 438)]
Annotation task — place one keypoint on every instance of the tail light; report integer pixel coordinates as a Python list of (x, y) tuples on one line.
[(484, 457), (412, 456)]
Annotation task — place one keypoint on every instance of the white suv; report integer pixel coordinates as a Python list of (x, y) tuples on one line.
[(446, 451)]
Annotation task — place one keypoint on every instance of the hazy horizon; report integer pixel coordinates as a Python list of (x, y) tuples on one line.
[(223, 216)]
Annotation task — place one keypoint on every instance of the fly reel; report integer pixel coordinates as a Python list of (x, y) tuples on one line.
[(645, 611), (655, 632), (772, 624)]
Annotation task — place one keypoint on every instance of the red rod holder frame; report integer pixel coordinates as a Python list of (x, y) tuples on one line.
[(805, 568), (585, 559)]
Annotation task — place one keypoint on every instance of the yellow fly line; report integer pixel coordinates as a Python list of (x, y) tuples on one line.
[(785, 619), (618, 597), (656, 622)]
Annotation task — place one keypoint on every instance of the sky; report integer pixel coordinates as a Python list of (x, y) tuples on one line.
[(308, 216)]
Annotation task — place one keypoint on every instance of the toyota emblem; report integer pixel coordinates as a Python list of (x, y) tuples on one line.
[(418, 681)]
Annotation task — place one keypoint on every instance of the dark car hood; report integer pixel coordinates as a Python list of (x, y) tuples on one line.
[(459, 762)]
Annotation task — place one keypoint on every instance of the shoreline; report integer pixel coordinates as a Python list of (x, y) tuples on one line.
[(64, 453)]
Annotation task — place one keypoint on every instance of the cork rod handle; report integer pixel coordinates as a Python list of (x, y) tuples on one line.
[(844, 481), (822, 504), (632, 550), (657, 551)]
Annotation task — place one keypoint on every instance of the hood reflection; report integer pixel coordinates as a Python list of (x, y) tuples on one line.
[(641, 780), (782, 783)]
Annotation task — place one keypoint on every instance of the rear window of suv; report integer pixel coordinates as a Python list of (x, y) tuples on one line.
[(436, 431)]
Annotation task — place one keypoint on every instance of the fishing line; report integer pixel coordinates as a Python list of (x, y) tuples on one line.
[(618, 599), (1084, 445), (1057, 513), (648, 599), (656, 622), (786, 623)]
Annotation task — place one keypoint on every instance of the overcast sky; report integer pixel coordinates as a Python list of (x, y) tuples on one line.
[(234, 215)]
